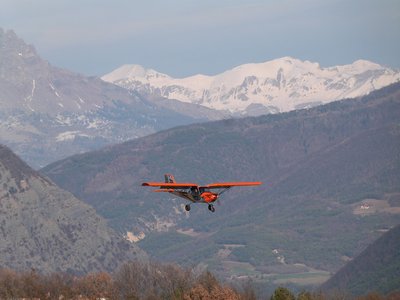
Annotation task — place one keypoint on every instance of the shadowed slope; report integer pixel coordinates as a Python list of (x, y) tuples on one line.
[(376, 269), (46, 228)]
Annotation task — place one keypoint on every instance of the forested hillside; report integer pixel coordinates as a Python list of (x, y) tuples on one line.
[(331, 185)]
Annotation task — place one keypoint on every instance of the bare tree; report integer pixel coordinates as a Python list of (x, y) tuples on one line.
[(9, 284), (95, 286)]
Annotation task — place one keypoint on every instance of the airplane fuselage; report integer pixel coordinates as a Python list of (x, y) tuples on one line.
[(197, 196)]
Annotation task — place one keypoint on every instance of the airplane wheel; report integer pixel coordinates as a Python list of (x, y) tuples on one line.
[(211, 207), (187, 207)]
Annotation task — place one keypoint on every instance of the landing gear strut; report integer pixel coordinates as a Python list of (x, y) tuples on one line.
[(211, 207), (187, 207)]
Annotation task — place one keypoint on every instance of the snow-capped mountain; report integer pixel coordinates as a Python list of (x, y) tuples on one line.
[(279, 85)]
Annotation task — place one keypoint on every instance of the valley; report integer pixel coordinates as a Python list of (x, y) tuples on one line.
[(317, 165)]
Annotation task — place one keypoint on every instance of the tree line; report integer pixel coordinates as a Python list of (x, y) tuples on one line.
[(134, 280), (141, 280)]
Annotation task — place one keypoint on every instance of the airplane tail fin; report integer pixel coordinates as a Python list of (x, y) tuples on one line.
[(169, 178)]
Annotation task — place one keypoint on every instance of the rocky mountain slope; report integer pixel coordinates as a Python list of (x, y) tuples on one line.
[(47, 229), (48, 113), (376, 269), (331, 183), (279, 85)]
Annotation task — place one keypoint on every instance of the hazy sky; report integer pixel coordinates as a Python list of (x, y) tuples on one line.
[(186, 37)]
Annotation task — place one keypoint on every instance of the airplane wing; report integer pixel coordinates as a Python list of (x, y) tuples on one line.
[(231, 184), (163, 185)]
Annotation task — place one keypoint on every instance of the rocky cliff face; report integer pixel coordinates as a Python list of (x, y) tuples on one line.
[(48, 229), (48, 113)]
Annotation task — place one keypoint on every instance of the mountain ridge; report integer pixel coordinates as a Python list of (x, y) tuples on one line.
[(279, 85)]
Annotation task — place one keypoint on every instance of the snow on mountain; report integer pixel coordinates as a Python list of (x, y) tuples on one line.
[(279, 85)]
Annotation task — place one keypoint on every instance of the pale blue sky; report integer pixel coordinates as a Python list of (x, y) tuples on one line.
[(186, 37)]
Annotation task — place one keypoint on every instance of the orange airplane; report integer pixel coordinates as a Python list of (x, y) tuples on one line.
[(195, 193)]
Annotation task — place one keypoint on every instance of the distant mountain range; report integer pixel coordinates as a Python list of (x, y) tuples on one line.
[(279, 85), (376, 269), (48, 113), (331, 185), (47, 229)]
